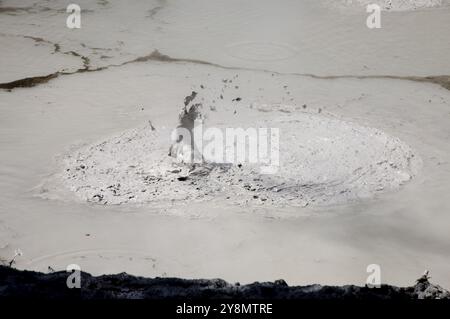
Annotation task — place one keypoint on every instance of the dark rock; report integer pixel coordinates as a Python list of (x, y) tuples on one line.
[(17, 283)]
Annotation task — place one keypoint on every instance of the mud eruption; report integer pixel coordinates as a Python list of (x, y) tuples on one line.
[(323, 160)]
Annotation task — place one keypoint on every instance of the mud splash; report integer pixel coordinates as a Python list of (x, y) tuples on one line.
[(323, 161)]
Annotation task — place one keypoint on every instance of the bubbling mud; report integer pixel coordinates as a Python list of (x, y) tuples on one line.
[(322, 161)]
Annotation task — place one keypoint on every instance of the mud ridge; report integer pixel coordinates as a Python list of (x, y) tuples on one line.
[(28, 82), (442, 80), (36, 80)]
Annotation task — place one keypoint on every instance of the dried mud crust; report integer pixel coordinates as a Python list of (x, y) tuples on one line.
[(323, 161)]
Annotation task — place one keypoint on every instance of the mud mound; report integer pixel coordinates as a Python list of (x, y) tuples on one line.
[(322, 161)]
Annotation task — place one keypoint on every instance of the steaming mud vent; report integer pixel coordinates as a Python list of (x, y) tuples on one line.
[(322, 161)]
